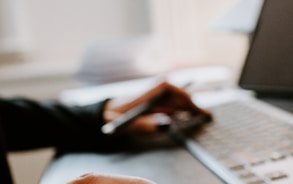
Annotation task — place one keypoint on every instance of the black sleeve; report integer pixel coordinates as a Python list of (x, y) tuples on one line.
[(28, 124)]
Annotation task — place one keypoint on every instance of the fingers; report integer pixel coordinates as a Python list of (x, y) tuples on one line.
[(109, 179), (111, 115), (177, 96), (150, 123), (171, 100)]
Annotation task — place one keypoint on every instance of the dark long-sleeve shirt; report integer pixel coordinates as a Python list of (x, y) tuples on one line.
[(26, 124)]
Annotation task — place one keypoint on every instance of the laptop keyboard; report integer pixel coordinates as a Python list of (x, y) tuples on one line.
[(242, 139)]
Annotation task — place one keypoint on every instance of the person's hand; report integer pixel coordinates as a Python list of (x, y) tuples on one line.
[(109, 179), (171, 100)]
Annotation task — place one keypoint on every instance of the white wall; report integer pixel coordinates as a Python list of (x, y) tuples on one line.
[(58, 31), (182, 28), (13, 33), (61, 29)]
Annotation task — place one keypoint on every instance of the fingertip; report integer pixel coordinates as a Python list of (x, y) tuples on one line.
[(163, 121)]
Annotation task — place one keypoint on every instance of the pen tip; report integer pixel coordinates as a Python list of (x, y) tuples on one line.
[(108, 129)]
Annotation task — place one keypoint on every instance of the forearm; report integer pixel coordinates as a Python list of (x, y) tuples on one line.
[(28, 124)]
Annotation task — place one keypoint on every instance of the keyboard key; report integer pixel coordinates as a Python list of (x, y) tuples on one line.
[(233, 164), (272, 155), (245, 174), (255, 180), (277, 156), (276, 175), (251, 158), (256, 161)]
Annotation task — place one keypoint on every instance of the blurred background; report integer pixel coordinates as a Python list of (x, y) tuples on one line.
[(52, 45)]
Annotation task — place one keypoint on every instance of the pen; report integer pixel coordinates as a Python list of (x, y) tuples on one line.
[(126, 118)]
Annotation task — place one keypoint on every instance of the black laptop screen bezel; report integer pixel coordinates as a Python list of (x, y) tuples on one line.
[(248, 83)]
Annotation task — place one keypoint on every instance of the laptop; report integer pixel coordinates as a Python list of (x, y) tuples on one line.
[(251, 137)]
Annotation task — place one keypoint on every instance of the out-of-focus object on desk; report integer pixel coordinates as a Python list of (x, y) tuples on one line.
[(201, 78), (113, 60)]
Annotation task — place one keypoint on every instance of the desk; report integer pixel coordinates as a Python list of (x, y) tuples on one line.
[(164, 165)]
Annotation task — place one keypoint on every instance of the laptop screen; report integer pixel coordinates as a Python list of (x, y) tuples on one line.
[(269, 64)]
